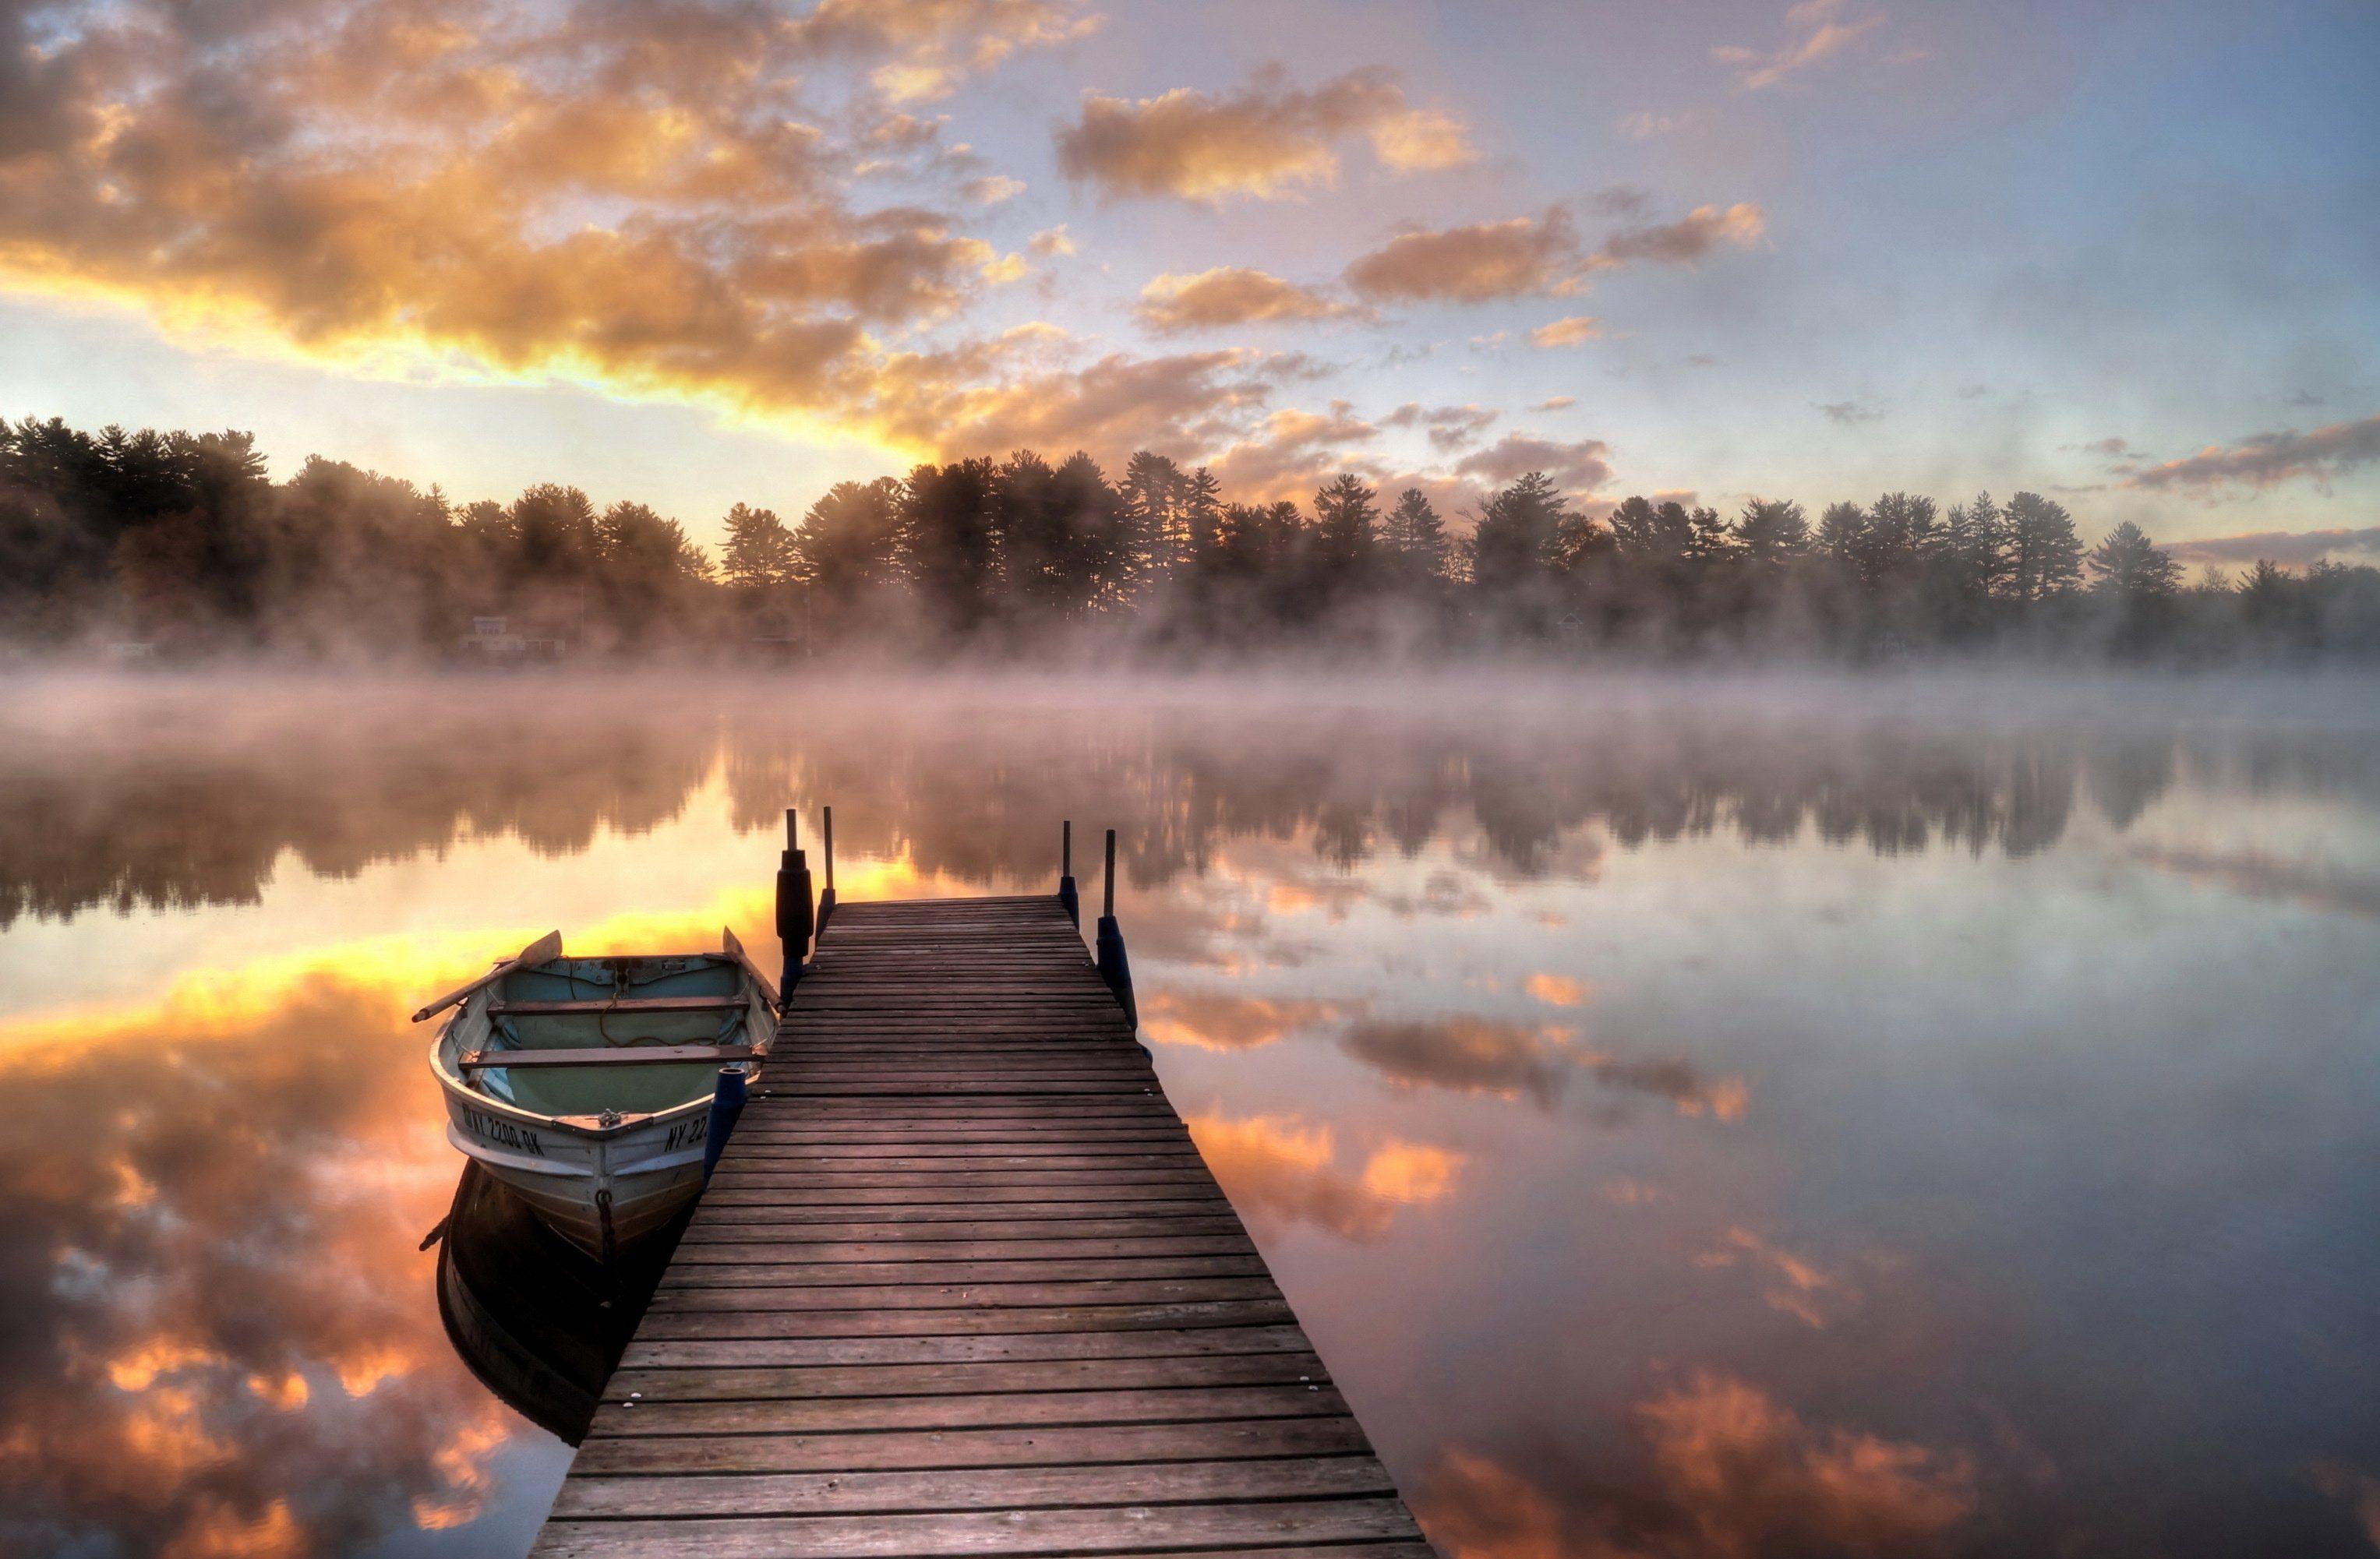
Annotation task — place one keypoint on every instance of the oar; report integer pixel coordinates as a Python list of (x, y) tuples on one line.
[(543, 951)]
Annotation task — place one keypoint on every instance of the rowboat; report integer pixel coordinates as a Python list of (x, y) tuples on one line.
[(585, 1083)]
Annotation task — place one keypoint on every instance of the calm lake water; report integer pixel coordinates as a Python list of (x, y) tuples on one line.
[(1693, 1118)]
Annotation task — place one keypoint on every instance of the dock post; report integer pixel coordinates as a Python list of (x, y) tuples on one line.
[(1114, 969), (826, 849), (726, 1106), (793, 915), (1071, 900)]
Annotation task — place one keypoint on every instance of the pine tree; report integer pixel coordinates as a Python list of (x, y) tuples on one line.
[(2045, 555), (759, 553), (1519, 535), (1414, 540), (1772, 531), (2127, 565), (1346, 529)]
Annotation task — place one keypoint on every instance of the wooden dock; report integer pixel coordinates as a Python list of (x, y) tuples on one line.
[(962, 1284)]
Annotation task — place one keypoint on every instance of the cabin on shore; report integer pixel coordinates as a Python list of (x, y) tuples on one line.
[(503, 639)]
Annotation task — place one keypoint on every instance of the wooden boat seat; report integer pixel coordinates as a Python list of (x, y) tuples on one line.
[(632, 1006), (608, 1055)]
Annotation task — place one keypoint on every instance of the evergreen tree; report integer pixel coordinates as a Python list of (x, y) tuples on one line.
[(1772, 531), (1839, 530), (2044, 556), (1346, 523), (1519, 536), (759, 551), (846, 548), (2130, 567), (1414, 540), (950, 536)]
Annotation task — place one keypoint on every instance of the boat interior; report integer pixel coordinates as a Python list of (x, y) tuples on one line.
[(595, 1005)]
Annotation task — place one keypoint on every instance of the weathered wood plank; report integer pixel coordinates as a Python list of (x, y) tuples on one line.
[(846, 1414), (1007, 1488), (744, 1320), (789, 1383), (1241, 1439), (1173, 1342), (1133, 1529)]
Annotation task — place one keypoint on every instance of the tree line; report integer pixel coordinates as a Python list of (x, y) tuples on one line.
[(183, 541)]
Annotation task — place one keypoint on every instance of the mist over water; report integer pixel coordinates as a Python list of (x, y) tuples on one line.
[(1695, 1116)]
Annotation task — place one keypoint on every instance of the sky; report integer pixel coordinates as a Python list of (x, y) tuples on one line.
[(707, 251)]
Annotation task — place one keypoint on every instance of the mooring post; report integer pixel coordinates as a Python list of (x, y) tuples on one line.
[(1067, 898), (726, 1105), (1112, 967), (795, 920), (826, 848)]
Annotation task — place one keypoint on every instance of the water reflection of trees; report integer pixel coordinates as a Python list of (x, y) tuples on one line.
[(199, 812)]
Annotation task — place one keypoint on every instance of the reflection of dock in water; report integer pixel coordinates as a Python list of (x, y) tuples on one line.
[(535, 1319), (962, 1284)]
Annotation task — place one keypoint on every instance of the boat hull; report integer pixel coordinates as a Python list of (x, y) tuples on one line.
[(603, 1179), (645, 1172)]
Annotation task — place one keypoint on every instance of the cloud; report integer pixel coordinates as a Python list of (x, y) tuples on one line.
[(1555, 990), (1817, 32), (1290, 453), (1850, 413), (1712, 1466), (1216, 1020), (1281, 1167), (1567, 332), (2294, 547), (1051, 242), (2266, 460), (1449, 427), (1473, 263), (1644, 124), (1793, 1284), (1528, 256), (1687, 240), (1466, 1055), (931, 46), (1556, 402), (1578, 466), (1267, 141), (635, 199), (1227, 295), (2254, 875), (992, 188)]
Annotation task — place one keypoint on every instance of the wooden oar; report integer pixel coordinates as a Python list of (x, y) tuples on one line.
[(543, 951)]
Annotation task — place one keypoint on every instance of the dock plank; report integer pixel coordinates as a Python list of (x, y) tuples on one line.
[(963, 1286)]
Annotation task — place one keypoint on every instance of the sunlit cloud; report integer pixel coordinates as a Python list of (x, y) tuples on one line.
[(1473, 263), (1715, 1467), (1555, 990), (1522, 257), (2291, 549), (1578, 465), (1284, 1169), (1227, 295), (1816, 32), (1221, 1021), (2266, 460), (1269, 140), (1567, 332), (1791, 1283)]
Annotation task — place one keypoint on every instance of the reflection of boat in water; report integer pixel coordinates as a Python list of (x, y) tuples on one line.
[(538, 1322), (585, 1083)]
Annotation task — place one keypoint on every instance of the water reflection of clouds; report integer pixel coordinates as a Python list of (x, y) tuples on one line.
[(221, 1342)]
